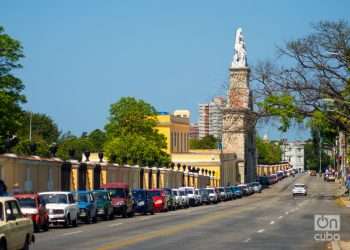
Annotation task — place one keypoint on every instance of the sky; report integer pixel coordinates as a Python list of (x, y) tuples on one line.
[(81, 56)]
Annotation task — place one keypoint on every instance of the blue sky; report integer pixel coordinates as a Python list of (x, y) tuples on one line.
[(81, 56)]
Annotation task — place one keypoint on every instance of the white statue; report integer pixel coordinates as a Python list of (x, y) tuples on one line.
[(240, 56)]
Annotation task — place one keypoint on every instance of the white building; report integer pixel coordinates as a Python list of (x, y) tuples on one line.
[(293, 152), (210, 118)]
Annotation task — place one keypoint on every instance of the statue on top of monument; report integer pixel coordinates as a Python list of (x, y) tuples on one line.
[(240, 56)]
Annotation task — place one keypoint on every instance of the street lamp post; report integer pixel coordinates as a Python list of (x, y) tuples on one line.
[(320, 150)]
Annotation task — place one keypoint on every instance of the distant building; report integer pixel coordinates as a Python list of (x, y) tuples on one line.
[(194, 131), (216, 116), (293, 152), (210, 118), (176, 130), (182, 113), (203, 124)]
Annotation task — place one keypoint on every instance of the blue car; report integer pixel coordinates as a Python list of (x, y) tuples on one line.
[(87, 206), (143, 201), (237, 192)]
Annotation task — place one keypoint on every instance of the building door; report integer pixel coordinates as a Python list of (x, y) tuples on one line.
[(66, 176)]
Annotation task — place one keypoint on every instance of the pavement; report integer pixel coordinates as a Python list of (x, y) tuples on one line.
[(272, 219)]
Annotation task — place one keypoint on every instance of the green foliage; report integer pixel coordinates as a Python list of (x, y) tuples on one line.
[(207, 142), (11, 87), (131, 134), (23, 148), (71, 142), (312, 157), (97, 139), (268, 152), (282, 106)]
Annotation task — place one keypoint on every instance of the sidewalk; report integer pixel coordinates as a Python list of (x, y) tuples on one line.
[(343, 201)]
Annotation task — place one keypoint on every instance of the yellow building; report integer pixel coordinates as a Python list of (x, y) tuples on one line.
[(176, 130)]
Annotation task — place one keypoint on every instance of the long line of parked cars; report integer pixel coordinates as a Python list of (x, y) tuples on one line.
[(38, 211)]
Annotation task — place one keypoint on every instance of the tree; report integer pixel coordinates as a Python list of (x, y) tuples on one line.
[(207, 142), (97, 139), (75, 145), (131, 134), (268, 152), (11, 87), (318, 72)]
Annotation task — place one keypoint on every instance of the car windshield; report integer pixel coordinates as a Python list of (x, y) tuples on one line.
[(54, 198), (299, 186), (82, 197), (255, 184), (100, 196), (174, 192), (139, 195), (117, 193), (167, 192), (27, 202), (203, 191), (196, 191), (155, 193), (189, 191), (210, 191), (182, 193)]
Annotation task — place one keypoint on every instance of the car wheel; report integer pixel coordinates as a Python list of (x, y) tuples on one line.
[(152, 212), (26, 244), (125, 213), (36, 227), (94, 219), (75, 222), (3, 245), (67, 221), (88, 219), (46, 226)]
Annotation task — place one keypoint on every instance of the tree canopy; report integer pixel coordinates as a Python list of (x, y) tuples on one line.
[(131, 134), (207, 142), (11, 87), (268, 152)]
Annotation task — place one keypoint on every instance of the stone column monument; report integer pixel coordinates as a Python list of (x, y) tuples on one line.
[(238, 116)]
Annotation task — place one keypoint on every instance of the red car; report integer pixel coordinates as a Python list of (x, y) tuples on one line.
[(32, 207), (159, 199)]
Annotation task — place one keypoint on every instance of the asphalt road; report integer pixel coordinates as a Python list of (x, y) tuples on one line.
[(270, 220)]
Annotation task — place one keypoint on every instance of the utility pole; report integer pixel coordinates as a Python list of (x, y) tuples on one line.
[(320, 150)]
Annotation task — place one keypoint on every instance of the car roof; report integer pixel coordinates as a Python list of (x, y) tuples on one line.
[(7, 198), (56, 192), (299, 184), (26, 195)]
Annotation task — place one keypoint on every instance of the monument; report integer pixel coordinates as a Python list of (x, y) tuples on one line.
[(238, 116)]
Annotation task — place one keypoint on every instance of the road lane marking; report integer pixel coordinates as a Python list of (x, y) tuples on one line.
[(71, 233), (261, 230), (247, 240), (272, 222), (280, 217), (115, 224)]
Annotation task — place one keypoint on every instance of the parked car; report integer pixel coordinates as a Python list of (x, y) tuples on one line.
[(299, 189), (229, 194), (62, 208), (143, 201), (170, 198), (273, 179), (313, 173), (198, 197), (213, 197), (218, 194), (87, 206), (246, 189), (178, 198), (204, 196), (189, 191), (122, 200), (33, 208), (256, 187), (264, 181), (104, 208), (159, 200), (185, 199), (16, 230), (237, 192)]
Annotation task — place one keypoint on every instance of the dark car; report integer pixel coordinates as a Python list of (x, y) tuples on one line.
[(264, 181), (229, 194), (237, 192), (143, 201), (87, 206), (33, 207), (122, 200), (104, 208)]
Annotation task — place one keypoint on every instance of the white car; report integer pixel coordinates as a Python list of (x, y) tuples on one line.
[(178, 199), (198, 197), (16, 231), (62, 208), (299, 189), (184, 197), (213, 197), (190, 194)]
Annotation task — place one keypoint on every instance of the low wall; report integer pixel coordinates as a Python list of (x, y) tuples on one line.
[(35, 174)]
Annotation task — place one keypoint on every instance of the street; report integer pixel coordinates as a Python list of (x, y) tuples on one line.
[(270, 220)]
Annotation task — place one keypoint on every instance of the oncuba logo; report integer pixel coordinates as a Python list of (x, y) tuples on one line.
[(327, 226)]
